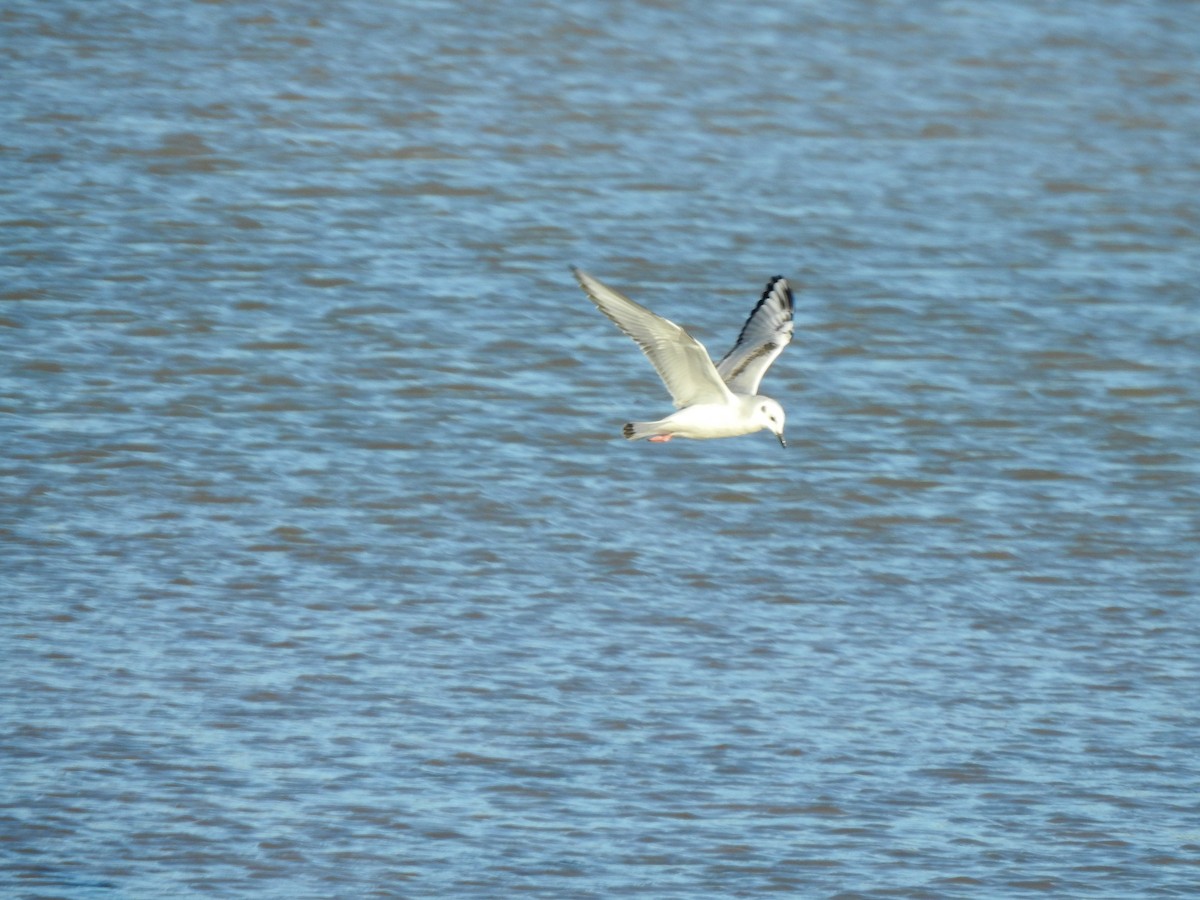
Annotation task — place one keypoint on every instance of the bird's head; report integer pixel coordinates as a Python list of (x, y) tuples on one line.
[(771, 417)]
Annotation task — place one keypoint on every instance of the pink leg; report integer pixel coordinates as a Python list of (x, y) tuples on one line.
[(660, 438)]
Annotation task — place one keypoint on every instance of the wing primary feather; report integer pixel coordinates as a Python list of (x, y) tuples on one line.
[(680, 360), (768, 329), (766, 295)]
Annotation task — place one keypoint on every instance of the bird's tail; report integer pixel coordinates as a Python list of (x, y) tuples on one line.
[(636, 431)]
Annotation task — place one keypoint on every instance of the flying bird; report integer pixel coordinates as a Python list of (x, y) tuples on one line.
[(713, 401)]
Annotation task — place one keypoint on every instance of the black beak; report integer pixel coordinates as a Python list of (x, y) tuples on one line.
[(782, 442)]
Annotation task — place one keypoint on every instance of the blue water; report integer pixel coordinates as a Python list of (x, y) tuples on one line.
[(328, 573)]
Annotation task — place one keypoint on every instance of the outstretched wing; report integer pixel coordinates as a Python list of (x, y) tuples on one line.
[(681, 360), (763, 337)]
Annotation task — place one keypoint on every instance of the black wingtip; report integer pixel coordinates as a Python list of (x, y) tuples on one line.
[(770, 288), (627, 430), (774, 281)]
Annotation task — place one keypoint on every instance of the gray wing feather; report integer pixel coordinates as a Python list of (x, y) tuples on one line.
[(766, 332), (681, 360)]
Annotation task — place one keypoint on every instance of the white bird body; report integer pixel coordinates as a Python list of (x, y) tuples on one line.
[(713, 401)]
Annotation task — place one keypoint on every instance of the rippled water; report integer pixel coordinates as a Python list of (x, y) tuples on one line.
[(328, 572)]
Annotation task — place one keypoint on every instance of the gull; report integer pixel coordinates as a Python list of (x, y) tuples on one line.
[(713, 401)]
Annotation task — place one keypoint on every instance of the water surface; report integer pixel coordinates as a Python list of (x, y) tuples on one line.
[(328, 572)]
